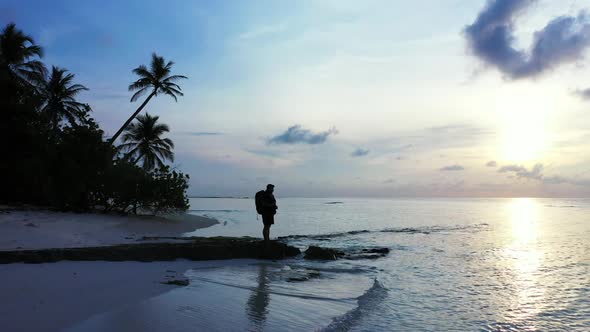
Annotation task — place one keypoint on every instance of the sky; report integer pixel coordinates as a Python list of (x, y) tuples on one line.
[(336, 98)]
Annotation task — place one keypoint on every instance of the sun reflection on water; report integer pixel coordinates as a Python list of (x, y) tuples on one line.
[(524, 215), (524, 260)]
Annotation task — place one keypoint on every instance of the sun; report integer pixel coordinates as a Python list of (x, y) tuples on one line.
[(524, 139), (524, 128)]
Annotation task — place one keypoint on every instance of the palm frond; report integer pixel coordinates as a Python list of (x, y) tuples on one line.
[(142, 141), (174, 78), (139, 93)]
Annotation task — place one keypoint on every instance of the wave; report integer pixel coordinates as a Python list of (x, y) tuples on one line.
[(275, 292), (367, 303), (364, 270), (409, 230)]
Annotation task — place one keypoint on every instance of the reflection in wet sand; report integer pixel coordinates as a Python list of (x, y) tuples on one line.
[(257, 305)]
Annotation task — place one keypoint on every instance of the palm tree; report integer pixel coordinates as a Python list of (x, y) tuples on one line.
[(17, 55), (157, 80), (58, 93), (142, 141)]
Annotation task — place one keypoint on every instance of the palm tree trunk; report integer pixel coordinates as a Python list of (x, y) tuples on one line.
[(114, 138)]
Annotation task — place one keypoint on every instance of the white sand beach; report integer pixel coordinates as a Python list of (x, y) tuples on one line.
[(39, 229), (53, 296)]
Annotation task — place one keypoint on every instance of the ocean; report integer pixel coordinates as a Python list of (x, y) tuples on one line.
[(454, 265)]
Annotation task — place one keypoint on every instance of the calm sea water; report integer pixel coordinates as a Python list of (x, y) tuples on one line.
[(455, 264)]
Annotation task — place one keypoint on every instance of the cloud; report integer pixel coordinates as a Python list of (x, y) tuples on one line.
[(555, 180), (537, 174), (511, 168), (359, 152), (389, 181), (560, 180), (522, 172), (491, 163), (583, 93), (452, 168), (296, 134), (491, 39), (202, 133)]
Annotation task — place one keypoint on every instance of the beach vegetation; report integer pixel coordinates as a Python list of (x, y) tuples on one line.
[(58, 93), (155, 80), (54, 154), (143, 142)]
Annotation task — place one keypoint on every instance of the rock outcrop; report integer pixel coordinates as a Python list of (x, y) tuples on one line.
[(319, 253), (176, 282), (193, 248)]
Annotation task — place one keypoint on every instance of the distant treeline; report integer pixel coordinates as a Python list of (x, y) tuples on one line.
[(55, 154)]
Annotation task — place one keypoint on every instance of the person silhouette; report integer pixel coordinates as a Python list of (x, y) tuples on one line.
[(268, 209)]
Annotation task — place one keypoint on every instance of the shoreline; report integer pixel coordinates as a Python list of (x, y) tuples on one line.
[(32, 229), (65, 292)]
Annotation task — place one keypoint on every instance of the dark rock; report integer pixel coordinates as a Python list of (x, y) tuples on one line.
[(297, 278), (192, 248), (377, 250), (291, 251), (31, 225), (302, 275), (176, 282), (320, 253)]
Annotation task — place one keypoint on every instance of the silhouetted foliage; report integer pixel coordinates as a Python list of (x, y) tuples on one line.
[(169, 190), (128, 188), (54, 153), (156, 80), (20, 55), (58, 93), (142, 142)]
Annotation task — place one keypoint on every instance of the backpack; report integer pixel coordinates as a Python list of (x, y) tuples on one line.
[(258, 200)]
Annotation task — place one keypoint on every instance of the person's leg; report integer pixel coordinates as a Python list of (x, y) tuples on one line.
[(266, 229), (266, 233)]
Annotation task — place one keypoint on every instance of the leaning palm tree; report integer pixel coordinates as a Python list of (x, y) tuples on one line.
[(59, 95), (156, 80), (142, 141), (19, 55)]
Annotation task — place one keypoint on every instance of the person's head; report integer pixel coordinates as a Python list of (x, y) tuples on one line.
[(270, 188)]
